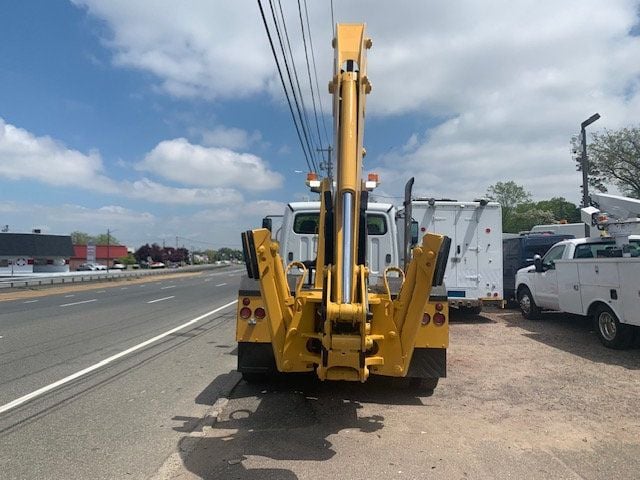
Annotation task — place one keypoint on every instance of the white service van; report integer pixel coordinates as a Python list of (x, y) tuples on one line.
[(474, 270)]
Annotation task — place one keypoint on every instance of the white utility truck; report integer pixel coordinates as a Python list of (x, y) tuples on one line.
[(474, 270), (597, 277)]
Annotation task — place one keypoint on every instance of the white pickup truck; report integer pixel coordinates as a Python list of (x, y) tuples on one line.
[(587, 276)]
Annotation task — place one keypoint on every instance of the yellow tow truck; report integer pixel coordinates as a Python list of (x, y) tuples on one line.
[(327, 319)]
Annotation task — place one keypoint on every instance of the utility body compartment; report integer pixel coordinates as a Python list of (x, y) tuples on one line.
[(474, 269)]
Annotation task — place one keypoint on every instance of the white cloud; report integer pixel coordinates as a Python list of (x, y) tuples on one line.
[(178, 160), (208, 49), (511, 80), (149, 190), (232, 138), (23, 156)]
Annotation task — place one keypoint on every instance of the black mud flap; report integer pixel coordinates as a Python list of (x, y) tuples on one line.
[(428, 363), (249, 253), (441, 265), (256, 358)]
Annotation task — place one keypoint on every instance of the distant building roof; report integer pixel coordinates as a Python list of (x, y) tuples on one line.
[(35, 245)]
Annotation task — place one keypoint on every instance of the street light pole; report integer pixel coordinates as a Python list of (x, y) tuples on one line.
[(585, 160), (108, 249), (585, 165)]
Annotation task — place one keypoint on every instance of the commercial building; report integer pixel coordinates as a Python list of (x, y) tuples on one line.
[(102, 254), (22, 253)]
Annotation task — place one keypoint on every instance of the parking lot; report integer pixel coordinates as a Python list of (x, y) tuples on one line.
[(522, 400)]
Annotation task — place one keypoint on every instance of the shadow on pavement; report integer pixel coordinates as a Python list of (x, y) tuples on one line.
[(290, 418), (456, 316), (574, 334)]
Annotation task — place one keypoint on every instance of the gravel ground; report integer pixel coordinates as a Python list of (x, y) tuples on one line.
[(523, 400)]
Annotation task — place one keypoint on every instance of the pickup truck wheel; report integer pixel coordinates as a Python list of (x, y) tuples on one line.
[(611, 332), (528, 306)]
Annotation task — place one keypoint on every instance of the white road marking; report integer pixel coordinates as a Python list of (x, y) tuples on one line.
[(161, 299), (69, 296), (140, 286), (168, 286), (78, 303), (123, 288), (36, 393), (101, 291), (207, 279), (220, 284), (30, 301)]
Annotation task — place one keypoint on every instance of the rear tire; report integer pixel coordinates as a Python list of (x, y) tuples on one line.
[(611, 332), (254, 377), (528, 306)]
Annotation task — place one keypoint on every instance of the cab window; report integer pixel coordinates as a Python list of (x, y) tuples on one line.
[(549, 260), (376, 224), (306, 223)]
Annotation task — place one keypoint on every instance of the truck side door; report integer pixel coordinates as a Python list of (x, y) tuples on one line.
[(302, 243), (380, 244), (546, 282)]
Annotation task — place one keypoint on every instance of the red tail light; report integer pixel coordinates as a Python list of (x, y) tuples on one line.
[(439, 319), (260, 313), (245, 312), (426, 318), (246, 301), (439, 307)]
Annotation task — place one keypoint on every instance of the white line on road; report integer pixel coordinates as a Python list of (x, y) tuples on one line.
[(123, 288), (30, 301), (168, 286), (161, 299), (78, 303), (36, 393), (69, 296), (207, 279), (221, 285), (144, 285), (101, 291)]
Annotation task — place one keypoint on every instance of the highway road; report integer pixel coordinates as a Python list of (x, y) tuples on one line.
[(95, 383)]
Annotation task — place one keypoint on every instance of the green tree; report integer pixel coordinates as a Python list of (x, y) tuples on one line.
[(80, 238), (104, 239), (526, 217), (614, 158), (561, 209), (509, 195)]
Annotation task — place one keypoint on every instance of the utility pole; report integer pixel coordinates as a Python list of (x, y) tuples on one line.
[(108, 249), (328, 164)]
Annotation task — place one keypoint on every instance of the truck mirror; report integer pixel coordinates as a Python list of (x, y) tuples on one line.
[(414, 232), (537, 261), (267, 223)]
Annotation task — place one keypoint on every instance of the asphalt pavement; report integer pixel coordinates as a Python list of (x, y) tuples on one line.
[(116, 367)]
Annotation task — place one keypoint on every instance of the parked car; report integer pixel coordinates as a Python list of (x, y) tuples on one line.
[(157, 265), (86, 267), (119, 266), (99, 266)]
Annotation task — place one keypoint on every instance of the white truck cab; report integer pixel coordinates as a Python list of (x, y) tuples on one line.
[(298, 236), (586, 276)]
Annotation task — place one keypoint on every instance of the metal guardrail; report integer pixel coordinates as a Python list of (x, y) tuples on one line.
[(102, 276)]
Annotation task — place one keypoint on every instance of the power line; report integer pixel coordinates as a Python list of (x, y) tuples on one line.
[(306, 122), (315, 71), (306, 56), (286, 93)]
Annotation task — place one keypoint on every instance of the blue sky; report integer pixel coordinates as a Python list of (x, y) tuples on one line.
[(156, 121)]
